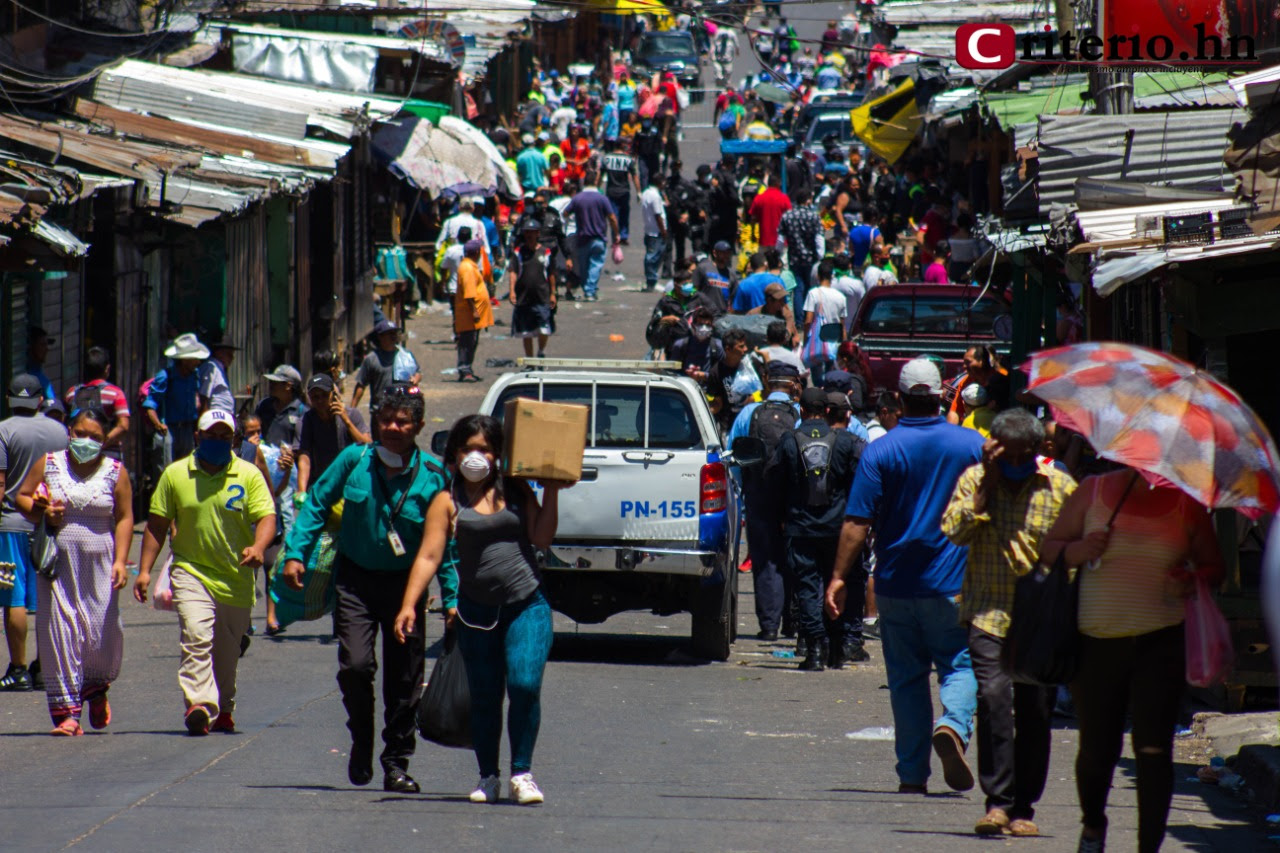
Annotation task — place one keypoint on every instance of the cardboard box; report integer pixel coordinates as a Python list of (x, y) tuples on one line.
[(544, 440)]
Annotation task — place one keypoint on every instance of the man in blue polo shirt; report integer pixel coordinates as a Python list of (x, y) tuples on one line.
[(902, 487)]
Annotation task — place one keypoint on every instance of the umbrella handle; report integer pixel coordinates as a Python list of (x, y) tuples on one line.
[(1123, 498)]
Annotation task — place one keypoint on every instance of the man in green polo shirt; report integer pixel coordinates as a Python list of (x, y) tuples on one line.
[(385, 489), (224, 519)]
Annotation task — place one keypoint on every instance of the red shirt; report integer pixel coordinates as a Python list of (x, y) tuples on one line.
[(767, 209), (114, 402)]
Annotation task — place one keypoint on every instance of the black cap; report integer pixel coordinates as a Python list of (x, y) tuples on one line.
[(385, 326), (837, 380), (782, 370), (25, 392), (813, 398), (321, 382), (704, 169), (836, 400)]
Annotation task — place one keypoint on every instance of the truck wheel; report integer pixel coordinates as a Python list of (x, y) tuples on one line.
[(715, 617)]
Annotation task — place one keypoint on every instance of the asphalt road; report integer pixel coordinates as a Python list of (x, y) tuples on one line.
[(642, 747)]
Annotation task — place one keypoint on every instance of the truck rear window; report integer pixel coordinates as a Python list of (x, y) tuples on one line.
[(619, 416), (908, 314)]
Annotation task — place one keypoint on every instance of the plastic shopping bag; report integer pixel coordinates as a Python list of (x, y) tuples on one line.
[(746, 381), (318, 595), (162, 596), (444, 712), (617, 253), (1209, 651), (1042, 644)]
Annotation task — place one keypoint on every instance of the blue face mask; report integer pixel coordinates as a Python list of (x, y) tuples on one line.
[(1018, 473), (215, 451), (688, 289)]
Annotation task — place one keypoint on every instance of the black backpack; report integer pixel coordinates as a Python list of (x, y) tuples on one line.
[(771, 420), (87, 397), (815, 456)]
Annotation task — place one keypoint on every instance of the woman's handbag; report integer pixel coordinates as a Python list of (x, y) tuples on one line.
[(444, 712), (44, 550), (1042, 645)]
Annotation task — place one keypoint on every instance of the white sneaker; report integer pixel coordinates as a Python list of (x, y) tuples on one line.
[(524, 790), (487, 790)]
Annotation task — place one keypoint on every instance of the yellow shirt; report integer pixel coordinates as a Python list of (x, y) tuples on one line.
[(980, 420), (215, 516), (1004, 542)]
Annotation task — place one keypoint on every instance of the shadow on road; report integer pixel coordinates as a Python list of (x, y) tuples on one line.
[(624, 649)]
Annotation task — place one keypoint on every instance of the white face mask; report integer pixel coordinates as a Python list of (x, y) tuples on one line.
[(391, 460), (475, 466), (702, 332)]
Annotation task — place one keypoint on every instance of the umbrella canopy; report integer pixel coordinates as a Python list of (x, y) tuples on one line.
[(889, 124), (434, 158), (465, 189), (1163, 417)]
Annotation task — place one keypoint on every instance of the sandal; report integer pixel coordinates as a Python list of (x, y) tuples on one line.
[(67, 727), (272, 630), (99, 710)]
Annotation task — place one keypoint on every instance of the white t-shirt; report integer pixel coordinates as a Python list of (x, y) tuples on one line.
[(786, 356), (877, 276), (827, 303), (561, 119), (853, 290), (570, 222), (654, 211), (449, 264), (449, 230)]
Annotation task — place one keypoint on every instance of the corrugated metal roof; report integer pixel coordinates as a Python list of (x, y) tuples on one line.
[(1258, 88), (1182, 149), (61, 239), (1139, 221), (238, 101), (426, 47), (961, 11)]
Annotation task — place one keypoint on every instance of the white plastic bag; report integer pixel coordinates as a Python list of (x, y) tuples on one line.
[(162, 595)]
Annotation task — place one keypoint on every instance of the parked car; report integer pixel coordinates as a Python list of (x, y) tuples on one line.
[(653, 524), (672, 51), (898, 323)]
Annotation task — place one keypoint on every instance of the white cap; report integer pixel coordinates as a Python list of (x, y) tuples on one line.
[(920, 377), (974, 395), (215, 416)]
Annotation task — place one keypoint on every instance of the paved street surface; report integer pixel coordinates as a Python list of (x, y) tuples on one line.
[(642, 747)]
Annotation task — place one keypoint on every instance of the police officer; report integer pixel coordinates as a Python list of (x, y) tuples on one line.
[(813, 471), (551, 235), (691, 199)]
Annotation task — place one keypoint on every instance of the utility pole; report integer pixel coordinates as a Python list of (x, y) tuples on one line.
[(1112, 90)]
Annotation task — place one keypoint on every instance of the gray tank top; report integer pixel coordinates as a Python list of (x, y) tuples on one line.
[(496, 562)]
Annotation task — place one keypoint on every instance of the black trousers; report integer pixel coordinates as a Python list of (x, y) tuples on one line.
[(368, 602), (467, 343), (1142, 676), (810, 561), (1014, 731)]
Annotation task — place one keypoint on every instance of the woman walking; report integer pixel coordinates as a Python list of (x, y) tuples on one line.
[(1135, 574), (504, 620), (87, 497)]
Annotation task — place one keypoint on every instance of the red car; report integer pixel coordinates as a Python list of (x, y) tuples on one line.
[(896, 323)]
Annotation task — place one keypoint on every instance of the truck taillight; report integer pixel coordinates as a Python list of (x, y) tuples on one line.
[(714, 492)]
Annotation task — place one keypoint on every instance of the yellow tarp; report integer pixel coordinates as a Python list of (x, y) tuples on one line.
[(889, 124), (631, 7)]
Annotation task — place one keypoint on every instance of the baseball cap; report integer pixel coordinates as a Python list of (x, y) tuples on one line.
[(320, 382), (775, 291), (385, 326), (836, 400), (920, 377), (527, 138), (813, 397), (25, 392), (215, 416), (722, 246), (974, 395), (837, 380), (285, 373), (473, 245), (782, 370), (531, 224)]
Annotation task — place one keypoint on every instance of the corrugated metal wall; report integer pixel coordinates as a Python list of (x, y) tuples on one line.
[(248, 308), (62, 315), (302, 319)]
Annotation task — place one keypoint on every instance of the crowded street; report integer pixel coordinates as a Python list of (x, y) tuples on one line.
[(723, 426)]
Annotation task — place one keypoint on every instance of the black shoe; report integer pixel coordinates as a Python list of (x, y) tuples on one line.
[(244, 644), (802, 647), (399, 782), (856, 653), (37, 679), (360, 765), (851, 651), (767, 636), (816, 658), (17, 679)]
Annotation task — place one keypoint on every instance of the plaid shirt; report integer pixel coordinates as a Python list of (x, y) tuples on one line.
[(1003, 542), (801, 227)]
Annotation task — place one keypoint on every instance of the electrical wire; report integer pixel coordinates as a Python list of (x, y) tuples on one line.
[(82, 30)]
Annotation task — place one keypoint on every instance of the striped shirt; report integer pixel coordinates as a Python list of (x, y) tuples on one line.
[(1004, 541), (1130, 592)]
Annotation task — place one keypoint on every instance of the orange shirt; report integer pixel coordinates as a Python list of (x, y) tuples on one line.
[(471, 307)]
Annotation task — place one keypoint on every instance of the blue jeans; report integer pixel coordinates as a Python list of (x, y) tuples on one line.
[(916, 633), (589, 263), (512, 656), (654, 246), (622, 210)]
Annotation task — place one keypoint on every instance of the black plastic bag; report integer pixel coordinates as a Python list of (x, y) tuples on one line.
[(1043, 643), (444, 712)]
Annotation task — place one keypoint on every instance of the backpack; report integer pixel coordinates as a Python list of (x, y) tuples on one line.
[(728, 121), (815, 456), (87, 397), (771, 420)]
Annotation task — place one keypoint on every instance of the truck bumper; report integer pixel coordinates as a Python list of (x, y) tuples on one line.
[(665, 561)]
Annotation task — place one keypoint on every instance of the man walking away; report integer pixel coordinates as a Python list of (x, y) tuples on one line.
[(223, 519), (533, 289), (813, 471), (595, 222), (620, 176), (801, 227), (654, 213), (1001, 510), (472, 311), (24, 438), (98, 393), (172, 403), (767, 210), (903, 483)]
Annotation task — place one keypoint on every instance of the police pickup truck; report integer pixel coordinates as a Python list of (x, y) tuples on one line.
[(653, 524)]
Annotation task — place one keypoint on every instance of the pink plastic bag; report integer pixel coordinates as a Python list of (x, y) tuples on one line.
[(162, 595), (617, 253), (1209, 651)]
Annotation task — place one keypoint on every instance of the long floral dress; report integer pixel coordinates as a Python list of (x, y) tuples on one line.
[(80, 636)]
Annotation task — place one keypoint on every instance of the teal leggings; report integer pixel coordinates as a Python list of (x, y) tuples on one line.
[(512, 655)]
